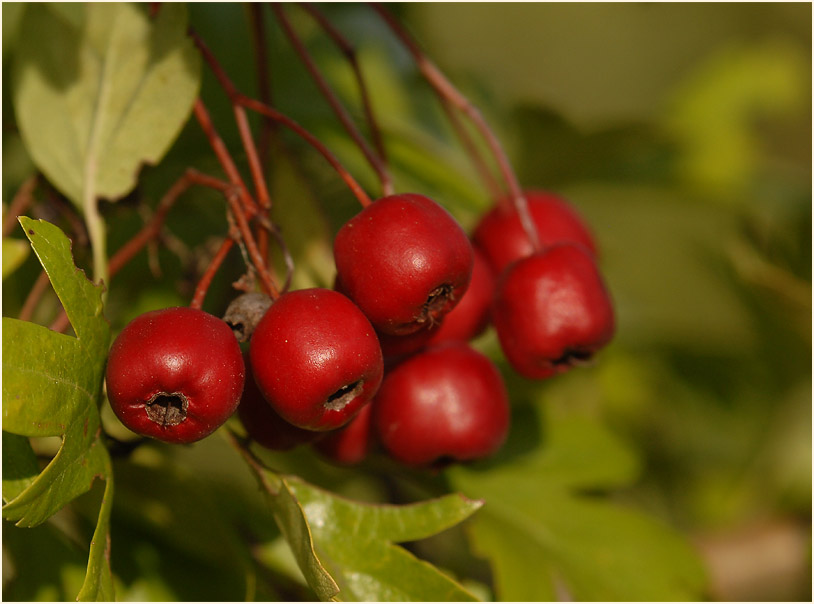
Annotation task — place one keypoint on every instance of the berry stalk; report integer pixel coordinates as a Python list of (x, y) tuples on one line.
[(444, 88), (342, 114)]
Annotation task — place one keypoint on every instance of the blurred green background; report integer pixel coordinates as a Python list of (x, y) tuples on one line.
[(682, 132)]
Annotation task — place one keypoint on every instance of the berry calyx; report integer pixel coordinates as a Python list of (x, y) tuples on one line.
[(175, 374), (316, 358), (552, 311), (447, 403), (404, 261), (502, 239), (471, 317)]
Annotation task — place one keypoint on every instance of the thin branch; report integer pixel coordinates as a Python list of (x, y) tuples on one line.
[(254, 105), (258, 28), (211, 270), (446, 89), (333, 100), (226, 162), (22, 199), (350, 53), (34, 296)]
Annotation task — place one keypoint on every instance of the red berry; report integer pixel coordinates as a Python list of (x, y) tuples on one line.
[(396, 347), (471, 317), (552, 310), (502, 239), (445, 403), (175, 374), (350, 444), (264, 425), (404, 261), (316, 358)]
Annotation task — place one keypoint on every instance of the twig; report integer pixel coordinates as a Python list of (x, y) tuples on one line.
[(22, 199), (254, 105), (445, 88), (344, 117), (350, 53)]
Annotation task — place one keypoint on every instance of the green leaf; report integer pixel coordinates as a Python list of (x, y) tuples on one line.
[(547, 541), (14, 254), (51, 382), (98, 584), (347, 550), (95, 101), (51, 387), (20, 465), (375, 569), (293, 524)]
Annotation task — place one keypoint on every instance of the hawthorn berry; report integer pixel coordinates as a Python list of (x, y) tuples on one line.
[(552, 310), (316, 358), (446, 403), (175, 374), (350, 444), (470, 318), (404, 261), (263, 424), (397, 347), (502, 239)]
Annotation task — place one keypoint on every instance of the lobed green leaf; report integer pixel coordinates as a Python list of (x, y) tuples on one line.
[(537, 524), (51, 387), (347, 550)]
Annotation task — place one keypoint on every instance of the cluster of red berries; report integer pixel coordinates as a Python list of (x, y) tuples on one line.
[(384, 356)]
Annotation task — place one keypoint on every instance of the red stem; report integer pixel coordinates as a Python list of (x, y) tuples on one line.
[(254, 105), (445, 88), (37, 290), (350, 53), (222, 153), (212, 269), (19, 204), (480, 165), (263, 80), (344, 117)]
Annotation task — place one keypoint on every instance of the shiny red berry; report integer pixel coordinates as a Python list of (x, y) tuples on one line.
[(404, 261), (397, 347), (350, 444), (264, 425), (446, 403), (316, 358), (552, 310), (175, 374), (471, 317), (502, 239)]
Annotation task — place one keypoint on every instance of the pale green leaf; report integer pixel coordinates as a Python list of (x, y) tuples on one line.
[(94, 102)]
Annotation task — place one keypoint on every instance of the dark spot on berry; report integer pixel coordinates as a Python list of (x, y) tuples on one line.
[(572, 357), (339, 399), (167, 409), (436, 302)]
